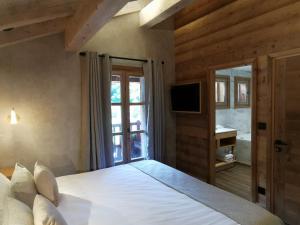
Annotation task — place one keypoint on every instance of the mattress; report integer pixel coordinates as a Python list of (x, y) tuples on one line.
[(125, 195), (148, 193)]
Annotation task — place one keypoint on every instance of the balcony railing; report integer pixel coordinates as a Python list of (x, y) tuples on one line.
[(117, 128), (135, 141)]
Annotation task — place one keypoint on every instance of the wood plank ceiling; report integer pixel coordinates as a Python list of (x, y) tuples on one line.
[(22, 20)]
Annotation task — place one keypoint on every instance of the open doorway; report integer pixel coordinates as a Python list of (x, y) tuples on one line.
[(233, 130)]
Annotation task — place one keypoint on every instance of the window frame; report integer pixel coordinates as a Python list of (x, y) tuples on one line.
[(125, 73), (226, 80), (244, 80)]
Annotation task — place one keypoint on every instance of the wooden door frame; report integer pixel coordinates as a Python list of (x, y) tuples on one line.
[(212, 120), (271, 168)]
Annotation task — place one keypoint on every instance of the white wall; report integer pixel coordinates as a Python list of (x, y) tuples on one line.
[(42, 82)]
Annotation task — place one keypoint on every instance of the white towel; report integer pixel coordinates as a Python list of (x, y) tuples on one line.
[(229, 157)]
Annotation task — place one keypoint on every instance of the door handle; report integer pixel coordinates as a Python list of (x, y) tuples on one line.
[(280, 145)]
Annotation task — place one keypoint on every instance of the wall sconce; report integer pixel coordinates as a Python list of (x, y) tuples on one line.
[(13, 117)]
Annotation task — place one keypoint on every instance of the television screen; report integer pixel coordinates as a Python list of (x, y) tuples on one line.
[(186, 98)]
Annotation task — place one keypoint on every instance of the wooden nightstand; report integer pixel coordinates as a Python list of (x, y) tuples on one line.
[(7, 171)]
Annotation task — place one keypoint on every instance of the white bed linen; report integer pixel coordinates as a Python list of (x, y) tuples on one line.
[(123, 195)]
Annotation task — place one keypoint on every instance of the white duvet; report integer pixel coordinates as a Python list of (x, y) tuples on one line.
[(123, 195)]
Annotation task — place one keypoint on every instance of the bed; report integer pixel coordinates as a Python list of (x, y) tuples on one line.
[(151, 193)]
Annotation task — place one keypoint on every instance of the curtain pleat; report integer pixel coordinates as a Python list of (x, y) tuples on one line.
[(147, 67), (155, 109), (107, 160), (96, 137), (159, 111)]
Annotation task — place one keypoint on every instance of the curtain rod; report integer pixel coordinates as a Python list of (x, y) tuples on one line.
[(132, 59), (124, 58)]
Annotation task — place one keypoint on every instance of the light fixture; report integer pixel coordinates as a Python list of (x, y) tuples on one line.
[(13, 118)]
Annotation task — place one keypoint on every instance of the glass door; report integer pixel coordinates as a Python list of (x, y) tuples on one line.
[(117, 105), (128, 114), (136, 126)]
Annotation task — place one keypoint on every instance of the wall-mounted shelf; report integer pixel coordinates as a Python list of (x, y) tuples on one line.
[(222, 165), (226, 137)]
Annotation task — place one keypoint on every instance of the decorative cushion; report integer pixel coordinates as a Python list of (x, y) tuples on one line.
[(4, 193), (17, 213), (46, 183), (22, 185), (45, 213)]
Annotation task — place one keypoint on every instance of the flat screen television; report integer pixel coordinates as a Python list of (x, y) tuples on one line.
[(186, 97)]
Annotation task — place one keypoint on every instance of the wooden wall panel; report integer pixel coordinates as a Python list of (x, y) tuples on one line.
[(234, 13), (192, 161), (249, 26), (198, 9), (236, 31), (264, 112), (193, 132)]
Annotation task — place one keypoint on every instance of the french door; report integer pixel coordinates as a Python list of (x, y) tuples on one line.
[(286, 136), (128, 114)]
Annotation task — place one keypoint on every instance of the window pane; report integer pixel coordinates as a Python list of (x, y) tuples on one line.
[(137, 117), (116, 118), (136, 93), (220, 91), (118, 148), (116, 89), (137, 145), (242, 93)]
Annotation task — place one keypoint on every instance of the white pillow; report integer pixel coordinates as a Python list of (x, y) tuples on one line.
[(46, 183), (17, 213), (4, 193), (22, 185), (4, 187), (45, 213)]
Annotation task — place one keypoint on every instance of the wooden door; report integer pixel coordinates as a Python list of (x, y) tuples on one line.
[(287, 139)]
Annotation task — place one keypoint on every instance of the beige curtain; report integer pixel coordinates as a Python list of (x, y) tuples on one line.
[(96, 131), (155, 109)]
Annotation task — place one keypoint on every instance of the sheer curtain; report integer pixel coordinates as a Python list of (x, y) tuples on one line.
[(96, 132), (155, 109)]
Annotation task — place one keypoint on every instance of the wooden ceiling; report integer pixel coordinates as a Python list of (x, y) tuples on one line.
[(22, 20), (17, 13), (197, 9)]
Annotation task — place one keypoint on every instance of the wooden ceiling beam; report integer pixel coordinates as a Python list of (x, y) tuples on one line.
[(159, 10), (29, 14), (31, 32), (88, 19)]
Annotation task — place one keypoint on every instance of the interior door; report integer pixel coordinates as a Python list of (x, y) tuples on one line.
[(287, 139)]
